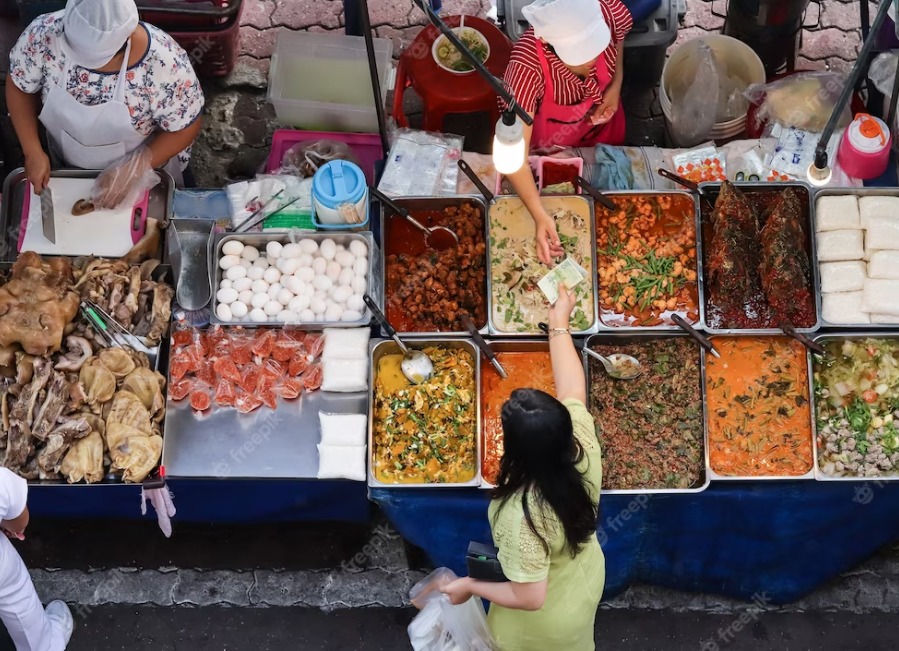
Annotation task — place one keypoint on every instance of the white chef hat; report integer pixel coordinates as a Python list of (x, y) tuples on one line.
[(95, 30), (576, 29)]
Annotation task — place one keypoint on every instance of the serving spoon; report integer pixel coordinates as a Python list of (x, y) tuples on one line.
[(416, 366), (437, 237), (617, 365)]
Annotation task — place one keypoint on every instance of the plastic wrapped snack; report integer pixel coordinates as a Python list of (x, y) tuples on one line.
[(846, 276), (883, 264), (840, 245), (341, 462), (883, 232), (875, 207), (844, 308), (343, 429), (836, 213), (701, 164), (881, 296)]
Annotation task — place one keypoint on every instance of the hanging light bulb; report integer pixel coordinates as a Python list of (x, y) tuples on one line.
[(819, 172), (508, 144)]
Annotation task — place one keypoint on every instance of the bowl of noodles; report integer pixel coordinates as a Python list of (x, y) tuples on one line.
[(451, 59)]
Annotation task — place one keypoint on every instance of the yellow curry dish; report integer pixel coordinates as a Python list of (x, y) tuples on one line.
[(426, 433)]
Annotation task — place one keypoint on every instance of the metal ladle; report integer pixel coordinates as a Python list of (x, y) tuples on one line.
[(437, 237), (618, 365), (416, 366)]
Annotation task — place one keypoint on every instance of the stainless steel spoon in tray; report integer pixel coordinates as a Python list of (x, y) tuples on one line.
[(437, 237), (417, 367)]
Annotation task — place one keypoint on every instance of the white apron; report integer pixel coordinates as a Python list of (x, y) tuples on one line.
[(93, 137)]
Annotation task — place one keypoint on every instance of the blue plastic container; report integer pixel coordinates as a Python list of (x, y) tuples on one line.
[(336, 183)]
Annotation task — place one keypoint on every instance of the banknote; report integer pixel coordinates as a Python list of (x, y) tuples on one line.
[(568, 272)]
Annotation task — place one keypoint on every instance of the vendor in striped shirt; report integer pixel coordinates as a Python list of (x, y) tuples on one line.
[(566, 72)]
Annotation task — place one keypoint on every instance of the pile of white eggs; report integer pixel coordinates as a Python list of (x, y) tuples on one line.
[(302, 282)]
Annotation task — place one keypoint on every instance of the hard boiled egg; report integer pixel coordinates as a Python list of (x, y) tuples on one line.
[(232, 247), (341, 294), (298, 303), (241, 284), (236, 272), (322, 282), (256, 273), (308, 247), (226, 295), (319, 265), (307, 316), (333, 270), (351, 315), (272, 275), (228, 261), (259, 300), (224, 283), (238, 309), (259, 287), (360, 267), (327, 249), (250, 253), (291, 251), (355, 303), (284, 297), (333, 313), (273, 249), (258, 316), (359, 249), (245, 297), (345, 258), (272, 308), (223, 312), (360, 285)]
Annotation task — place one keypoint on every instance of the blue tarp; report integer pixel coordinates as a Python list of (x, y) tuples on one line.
[(773, 541)]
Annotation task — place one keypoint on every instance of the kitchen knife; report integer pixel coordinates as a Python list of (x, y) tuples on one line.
[(48, 217), (484, 346)]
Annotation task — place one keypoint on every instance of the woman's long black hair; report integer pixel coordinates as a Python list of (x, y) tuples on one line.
[(540, 453)]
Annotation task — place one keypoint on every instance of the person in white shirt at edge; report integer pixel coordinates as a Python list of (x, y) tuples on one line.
[(31, 627), (113, 94)]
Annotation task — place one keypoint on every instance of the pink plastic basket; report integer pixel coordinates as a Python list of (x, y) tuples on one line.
[(366, 147)]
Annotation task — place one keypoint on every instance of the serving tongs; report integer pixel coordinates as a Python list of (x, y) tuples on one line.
[(475, 179), (790, 331), (693, 332), (113, 333), (692, 186), (437, 237), (598, 196)]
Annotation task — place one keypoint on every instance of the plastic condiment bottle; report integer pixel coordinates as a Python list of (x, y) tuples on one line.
[(865, 148)]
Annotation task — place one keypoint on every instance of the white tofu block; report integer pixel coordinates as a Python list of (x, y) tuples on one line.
[(837, 213), (883, 264), (845, 276), (877, 207), (844, 308), (884, 318), (881, 296), (883, 233), (834, 246), (869, 253)]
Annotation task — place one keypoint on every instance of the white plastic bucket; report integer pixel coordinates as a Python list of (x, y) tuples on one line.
[(738, 60)]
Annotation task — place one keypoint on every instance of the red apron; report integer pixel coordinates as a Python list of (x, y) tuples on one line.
[(557, 125)]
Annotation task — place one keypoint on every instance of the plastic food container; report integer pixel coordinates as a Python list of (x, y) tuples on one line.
[(865, 148), (337, 183)]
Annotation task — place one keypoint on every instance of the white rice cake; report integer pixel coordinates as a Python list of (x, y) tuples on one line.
[(844, 308), (881, 296), (883, 232), (834, 246), (884, 318), (882, 264), (877, 207), (837, 213), (845, 276)]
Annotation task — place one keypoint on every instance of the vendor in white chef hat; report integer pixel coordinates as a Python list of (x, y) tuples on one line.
[(566, 72), (113, 94)]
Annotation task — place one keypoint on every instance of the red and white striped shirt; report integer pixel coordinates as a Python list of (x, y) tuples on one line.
[(524, 77)]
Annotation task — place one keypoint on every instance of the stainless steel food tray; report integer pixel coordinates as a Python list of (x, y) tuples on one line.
[(265, 444), (858, 192), (603, 326), (842, 336), (15, 186), (591, 220), (417, 204), (259, 240), (513, 346), (379, 348), (705, 232), (610, 339), (705, 408)]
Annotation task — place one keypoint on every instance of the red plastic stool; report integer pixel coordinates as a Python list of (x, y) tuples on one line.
[(444, 92)]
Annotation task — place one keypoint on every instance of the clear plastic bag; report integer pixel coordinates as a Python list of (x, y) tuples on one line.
[(304, 158), (804, 100), (693, 114), (441, 626), (422, 164)]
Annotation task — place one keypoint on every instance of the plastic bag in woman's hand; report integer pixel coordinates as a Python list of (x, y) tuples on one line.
[(693, 114), (126, 180), (441, 626)]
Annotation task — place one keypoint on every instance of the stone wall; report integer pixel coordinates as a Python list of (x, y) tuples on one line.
[(239, 121)]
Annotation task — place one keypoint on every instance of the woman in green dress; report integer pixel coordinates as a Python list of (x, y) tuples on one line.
[(543, 512)]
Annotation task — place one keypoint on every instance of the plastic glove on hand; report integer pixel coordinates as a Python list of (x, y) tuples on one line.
[(161, 499), (125, 181)]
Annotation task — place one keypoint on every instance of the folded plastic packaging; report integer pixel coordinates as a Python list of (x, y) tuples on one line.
[(421, 164)]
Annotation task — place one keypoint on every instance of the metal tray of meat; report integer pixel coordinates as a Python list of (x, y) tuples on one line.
[(705, 209), (380, 348), (593, 327), (603, 326), (15, 186), (842, 336), (642, 337), (705, 409), (858, 192), (508, 346), (259, 240), (430, 204)]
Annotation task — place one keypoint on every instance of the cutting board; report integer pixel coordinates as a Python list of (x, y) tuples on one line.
[(105, 233)]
